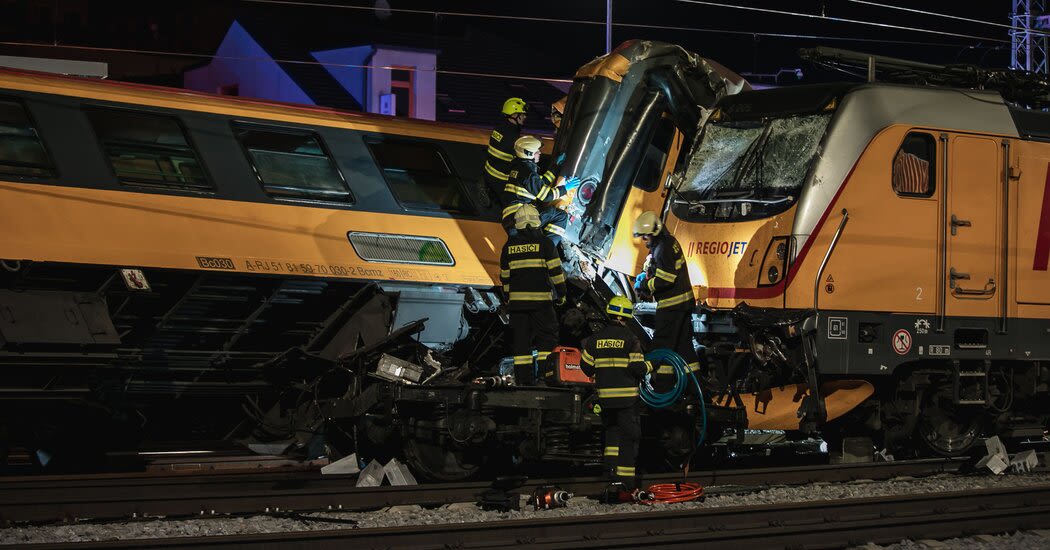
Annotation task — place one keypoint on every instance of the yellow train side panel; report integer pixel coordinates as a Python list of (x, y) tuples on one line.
[(886, 258), (88, 226), (1032, 222), (208, 103)]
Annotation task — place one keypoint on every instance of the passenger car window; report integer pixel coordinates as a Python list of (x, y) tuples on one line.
[(148, 149), (420, 175), (293, 164), (21, 151), (913, 166)]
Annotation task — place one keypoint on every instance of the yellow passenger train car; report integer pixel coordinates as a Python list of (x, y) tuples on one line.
[(161, 245)]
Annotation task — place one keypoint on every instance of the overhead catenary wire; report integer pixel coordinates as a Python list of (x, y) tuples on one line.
[(436, 70), (480, 74), (439, 13), (841, 20), (948, 16), (289, 61)]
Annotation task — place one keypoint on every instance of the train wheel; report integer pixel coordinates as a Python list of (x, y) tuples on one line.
[(946, 428), (437, 462)]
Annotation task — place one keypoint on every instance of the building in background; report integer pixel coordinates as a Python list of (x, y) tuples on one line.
[(392, 74)]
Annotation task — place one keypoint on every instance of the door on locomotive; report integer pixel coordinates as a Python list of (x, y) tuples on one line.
[(974, 212)]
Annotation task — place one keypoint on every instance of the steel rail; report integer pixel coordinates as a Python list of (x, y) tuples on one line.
[(111, 496), (820, 524)]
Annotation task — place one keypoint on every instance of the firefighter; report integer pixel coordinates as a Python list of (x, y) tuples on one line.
[(526, 186), (613, 356), (533, 282), (558, 112), (554, 165), (501, 145), (667, 280)]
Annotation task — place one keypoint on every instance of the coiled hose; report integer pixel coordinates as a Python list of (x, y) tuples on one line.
[(683, 375), (674, 492)]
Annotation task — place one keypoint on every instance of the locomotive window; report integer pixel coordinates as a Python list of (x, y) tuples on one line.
[(652, 167), (913, 166), (420, 175), (294, 164), (148, 149), (21, 151)]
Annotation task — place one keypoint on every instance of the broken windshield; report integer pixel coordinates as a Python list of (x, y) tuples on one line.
[(761, 163)]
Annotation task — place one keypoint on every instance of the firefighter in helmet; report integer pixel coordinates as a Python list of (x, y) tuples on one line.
[(533, 282), (526, 186), (554, 164), (557, 112), (667, 281), (613, 356), (501, 145)]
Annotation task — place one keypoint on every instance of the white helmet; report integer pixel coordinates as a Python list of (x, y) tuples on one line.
[(647, 223), (526, 216), (526, 146)]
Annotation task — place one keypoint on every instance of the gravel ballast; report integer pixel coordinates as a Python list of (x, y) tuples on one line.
[(467, 513)]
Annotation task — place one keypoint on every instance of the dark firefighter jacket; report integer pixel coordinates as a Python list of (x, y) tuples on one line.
[(668, 276), (529, 268), (525, 185), (614, 356), (500, 153)]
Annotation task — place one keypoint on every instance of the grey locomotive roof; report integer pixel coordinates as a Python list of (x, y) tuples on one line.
[(868, 109)]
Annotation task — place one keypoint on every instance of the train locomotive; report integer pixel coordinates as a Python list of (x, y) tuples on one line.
[(871, 258)]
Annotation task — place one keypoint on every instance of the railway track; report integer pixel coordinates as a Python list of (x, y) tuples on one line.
[(822, 524), (113, 496)]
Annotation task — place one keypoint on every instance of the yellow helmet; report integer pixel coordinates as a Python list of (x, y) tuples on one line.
[(647, 223), (514, 105), (526, 146), (526, 216), (619, 305)]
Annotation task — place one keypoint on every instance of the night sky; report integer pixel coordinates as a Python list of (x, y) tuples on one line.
[(741, 40)]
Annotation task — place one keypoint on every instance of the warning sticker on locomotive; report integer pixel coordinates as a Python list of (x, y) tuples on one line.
[(902, 342)]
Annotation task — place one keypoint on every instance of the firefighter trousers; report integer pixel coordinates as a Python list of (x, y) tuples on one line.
[(623, 429), (673, 330), (534, 329)]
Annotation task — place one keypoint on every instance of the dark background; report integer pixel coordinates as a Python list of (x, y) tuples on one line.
[(155, 41)]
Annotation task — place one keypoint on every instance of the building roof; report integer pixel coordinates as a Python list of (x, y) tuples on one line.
[(465, 94)]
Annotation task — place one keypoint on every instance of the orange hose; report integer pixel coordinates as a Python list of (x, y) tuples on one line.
[(676, 492)]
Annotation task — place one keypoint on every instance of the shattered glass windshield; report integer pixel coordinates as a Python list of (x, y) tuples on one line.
[(763, 163)]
